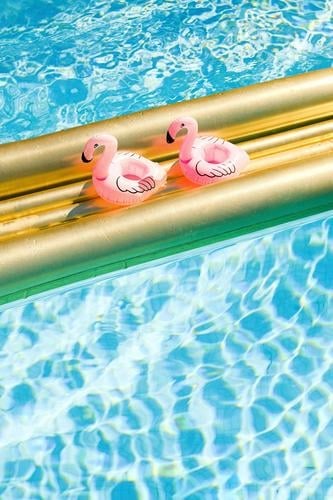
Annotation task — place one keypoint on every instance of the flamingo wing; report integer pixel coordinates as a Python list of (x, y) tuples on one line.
[(129, 155), (215, 170), (206, 140), (148, 183), (135, 186)]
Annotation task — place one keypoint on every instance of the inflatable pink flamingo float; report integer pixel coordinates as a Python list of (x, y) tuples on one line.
[(123, 178), (205, 160)]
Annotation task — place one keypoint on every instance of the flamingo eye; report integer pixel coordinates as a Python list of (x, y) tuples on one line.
[(95, 146)]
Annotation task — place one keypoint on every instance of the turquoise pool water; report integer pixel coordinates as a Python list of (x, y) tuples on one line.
[(207, 376), (72, 62)]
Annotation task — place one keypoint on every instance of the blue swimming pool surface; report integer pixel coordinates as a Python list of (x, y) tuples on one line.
[(73, 62), (208, 377), (205, 376)]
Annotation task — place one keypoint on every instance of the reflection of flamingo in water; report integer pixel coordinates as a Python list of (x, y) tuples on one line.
[(205, 160), (122, 178)]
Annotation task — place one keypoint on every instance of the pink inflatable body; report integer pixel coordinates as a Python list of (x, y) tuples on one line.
[(122, 178), (205, 160)]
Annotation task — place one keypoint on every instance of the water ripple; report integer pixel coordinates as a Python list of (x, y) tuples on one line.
[(75, 62), (134, 386)]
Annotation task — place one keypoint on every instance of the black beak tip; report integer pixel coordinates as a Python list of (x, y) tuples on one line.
[(84, 159), (169, 139)]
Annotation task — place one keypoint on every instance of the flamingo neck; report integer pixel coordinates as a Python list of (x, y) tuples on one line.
[(102, 167), (186, 148)]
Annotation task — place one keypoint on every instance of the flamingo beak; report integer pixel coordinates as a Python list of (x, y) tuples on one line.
[(169, 138), (84, 159)]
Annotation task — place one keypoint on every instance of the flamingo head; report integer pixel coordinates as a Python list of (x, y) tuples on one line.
[(95, 142), (184, 122)]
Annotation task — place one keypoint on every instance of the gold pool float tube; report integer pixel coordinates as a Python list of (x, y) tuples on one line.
[(54, 230)]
